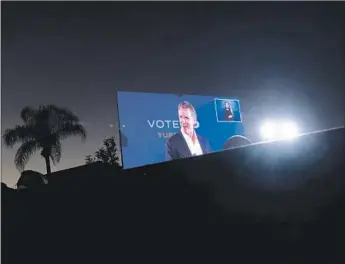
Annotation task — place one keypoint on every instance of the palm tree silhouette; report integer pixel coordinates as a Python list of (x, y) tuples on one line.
[(43, 130)]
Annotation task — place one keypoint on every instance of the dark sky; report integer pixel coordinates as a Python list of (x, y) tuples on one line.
[(280, 59)]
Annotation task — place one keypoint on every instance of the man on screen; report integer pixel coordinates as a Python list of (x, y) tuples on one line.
[(186, 143), (228, 112)]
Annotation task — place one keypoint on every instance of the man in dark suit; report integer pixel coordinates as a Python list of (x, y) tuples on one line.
[(228, 112), (186, 143)]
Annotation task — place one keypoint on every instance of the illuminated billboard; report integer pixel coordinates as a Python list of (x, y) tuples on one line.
[(163, 127)]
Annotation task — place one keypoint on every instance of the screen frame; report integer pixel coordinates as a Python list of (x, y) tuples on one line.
[(223, 99), (178, 95)]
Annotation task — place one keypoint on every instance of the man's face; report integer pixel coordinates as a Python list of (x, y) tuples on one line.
[(227, 105), (186, 118)]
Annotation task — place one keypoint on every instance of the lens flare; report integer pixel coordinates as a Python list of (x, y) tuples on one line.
[(278, 130), (289, 130), (268, 131)]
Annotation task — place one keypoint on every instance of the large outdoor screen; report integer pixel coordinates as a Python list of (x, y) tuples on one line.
[(163, 127)]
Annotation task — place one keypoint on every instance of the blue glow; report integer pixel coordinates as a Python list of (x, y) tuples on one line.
[(149, 119)]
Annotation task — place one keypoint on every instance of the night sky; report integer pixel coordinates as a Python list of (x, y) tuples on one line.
[(280, 59)]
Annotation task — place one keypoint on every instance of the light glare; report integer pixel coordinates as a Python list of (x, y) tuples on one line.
[(278, 130), (289, 130), (268, 131)]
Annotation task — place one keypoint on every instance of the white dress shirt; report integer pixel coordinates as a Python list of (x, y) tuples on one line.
[(194, 148)]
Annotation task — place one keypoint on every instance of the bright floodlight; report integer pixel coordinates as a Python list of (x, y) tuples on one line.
[(278, 130), (268, 131), (289, 130)]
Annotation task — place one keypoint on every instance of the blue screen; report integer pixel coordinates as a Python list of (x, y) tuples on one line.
[(150, 122)]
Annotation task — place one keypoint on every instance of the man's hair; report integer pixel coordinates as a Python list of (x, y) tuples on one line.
[(187, 105)]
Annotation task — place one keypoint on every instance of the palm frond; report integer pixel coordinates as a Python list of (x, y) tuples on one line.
[(26, 150), (70, 129), (43, 129), (68, 115), (55, 117), (28, 114), (61, 113), (16, 135)]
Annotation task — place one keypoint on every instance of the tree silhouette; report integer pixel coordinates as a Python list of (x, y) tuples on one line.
[(106, 154), (43, 130)]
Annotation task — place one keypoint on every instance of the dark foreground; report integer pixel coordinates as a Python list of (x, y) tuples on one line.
[(280, 202)]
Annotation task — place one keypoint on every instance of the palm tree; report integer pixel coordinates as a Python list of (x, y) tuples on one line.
[(43, 130)]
